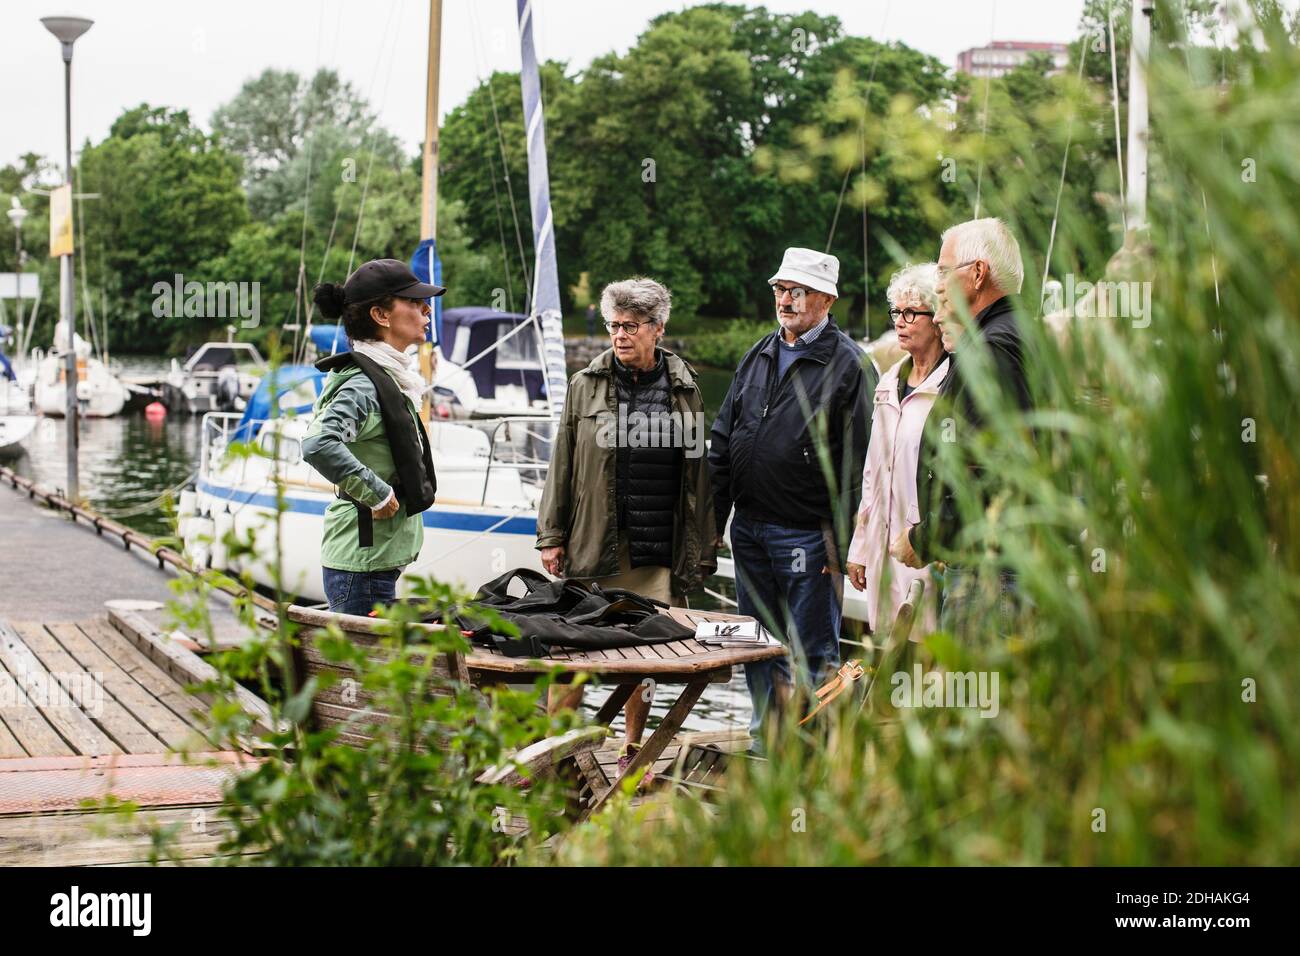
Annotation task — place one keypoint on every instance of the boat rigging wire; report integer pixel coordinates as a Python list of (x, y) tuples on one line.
[(1060, 188), (984, 125), (505, 165)]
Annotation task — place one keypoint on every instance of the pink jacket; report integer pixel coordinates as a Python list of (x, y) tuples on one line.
[(889, 497)]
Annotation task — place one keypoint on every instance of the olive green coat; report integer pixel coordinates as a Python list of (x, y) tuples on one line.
[(579, 510)]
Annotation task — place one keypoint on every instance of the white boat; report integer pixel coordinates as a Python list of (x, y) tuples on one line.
[(17, 420), (99, 393), (220, 376), (483, 523)]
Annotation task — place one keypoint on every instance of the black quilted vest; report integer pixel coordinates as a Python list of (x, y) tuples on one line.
[(649, 462)]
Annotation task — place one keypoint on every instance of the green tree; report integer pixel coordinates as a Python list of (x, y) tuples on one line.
[(169, 200), (286, 128)]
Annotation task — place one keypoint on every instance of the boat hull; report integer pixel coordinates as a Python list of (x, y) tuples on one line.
[(463, 545)]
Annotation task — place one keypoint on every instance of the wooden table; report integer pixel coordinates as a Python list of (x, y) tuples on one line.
[(686, 662)]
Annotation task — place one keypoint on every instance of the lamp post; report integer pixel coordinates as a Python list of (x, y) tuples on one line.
[(17, 215), (67, 30)]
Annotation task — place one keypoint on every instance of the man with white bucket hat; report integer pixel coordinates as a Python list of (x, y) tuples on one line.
[(787, 450)]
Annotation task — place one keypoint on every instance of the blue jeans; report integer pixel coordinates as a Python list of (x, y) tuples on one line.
[(965, 613), (779, 581), (357, 592)]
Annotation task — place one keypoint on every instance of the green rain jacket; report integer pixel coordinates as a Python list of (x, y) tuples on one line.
[(578, 508), (346, 443)]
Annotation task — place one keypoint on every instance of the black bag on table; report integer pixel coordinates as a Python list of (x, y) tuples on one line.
[(567, 613)]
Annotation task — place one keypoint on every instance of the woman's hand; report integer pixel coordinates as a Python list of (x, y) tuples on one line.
[(553, 560), (857, 576), (901, 551), (388, 508)]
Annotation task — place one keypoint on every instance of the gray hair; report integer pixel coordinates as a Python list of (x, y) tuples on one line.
[(645, 298), (920, 279), (991, 241)]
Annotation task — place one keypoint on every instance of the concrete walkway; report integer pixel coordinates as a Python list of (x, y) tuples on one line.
[(54, 570)]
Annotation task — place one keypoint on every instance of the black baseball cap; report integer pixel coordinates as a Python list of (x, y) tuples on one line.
[(383, 277)]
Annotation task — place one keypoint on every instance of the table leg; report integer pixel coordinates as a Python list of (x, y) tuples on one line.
[(617, 698), (658, 741)]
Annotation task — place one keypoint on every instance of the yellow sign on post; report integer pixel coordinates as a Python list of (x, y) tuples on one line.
[(61, 222)]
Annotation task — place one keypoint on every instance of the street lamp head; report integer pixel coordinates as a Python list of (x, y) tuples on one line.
[(16, 212), (67, 29)]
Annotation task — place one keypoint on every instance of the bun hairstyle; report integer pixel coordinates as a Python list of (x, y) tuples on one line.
[(357, 322), (328, 297)]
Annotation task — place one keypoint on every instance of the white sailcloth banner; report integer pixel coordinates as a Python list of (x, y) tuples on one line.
[(545, 307)]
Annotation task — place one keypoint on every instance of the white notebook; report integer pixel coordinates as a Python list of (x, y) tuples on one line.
[(732, 633)]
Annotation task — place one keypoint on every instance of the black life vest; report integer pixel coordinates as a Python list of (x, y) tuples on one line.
[(416, 484)]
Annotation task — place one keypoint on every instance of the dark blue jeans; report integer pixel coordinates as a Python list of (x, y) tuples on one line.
[(779, 581), (357, 592), (968, 614)]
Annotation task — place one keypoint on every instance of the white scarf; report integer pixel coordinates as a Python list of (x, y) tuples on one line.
[(405, 368)]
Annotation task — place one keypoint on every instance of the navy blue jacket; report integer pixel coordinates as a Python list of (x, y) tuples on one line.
[(792, 451)]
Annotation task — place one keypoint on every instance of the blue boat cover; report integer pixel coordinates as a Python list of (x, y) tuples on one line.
[(265, 402), (329, 339), (485, 326)]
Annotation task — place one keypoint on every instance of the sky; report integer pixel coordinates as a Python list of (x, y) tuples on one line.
[(196, 55)]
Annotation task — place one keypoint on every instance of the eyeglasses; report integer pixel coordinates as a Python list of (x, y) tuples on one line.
[(794, 290), (628, 327), (909, 315), (945, 271)]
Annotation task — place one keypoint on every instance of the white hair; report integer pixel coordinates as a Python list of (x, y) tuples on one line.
[(991, 241), (648, 300), (919, 279)]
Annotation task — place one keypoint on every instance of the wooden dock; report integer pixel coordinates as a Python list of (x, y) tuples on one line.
[(98, 709)]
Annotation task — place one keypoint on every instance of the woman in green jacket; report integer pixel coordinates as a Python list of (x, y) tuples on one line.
[(366, 435)]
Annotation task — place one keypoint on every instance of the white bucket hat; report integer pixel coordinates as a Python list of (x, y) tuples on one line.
[(816, 270)]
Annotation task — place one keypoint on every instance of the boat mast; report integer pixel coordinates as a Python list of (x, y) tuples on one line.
[(544, 309), (429, 179), (1139, 58)]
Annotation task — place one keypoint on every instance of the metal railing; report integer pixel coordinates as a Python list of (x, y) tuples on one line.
[(218, 429)]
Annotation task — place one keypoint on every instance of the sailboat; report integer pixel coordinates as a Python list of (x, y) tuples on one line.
[(99, 392), (17, 420), (491, 470)]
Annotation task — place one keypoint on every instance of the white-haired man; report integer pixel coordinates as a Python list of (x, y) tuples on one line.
[(979, 270), (787, 451)]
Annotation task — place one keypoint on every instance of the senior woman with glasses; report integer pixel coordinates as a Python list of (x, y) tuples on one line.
[(904, 397), (628, 502)]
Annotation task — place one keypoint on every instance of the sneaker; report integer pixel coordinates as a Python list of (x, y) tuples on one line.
[(625, 757)]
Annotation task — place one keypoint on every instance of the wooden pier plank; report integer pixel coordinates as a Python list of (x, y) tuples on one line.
[(9, 745), (36, 736), (54, 704), (113, 719), (98, 838), (160, 720), (145, 672)]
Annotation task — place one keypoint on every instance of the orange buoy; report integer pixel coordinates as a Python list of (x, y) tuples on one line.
[(155, 411)]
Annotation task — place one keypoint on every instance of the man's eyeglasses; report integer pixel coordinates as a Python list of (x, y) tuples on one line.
[(945, 271), (628, 327), (909, 315), (794, 290)]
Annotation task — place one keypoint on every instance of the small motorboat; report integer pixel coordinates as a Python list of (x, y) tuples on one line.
[(219, 377)]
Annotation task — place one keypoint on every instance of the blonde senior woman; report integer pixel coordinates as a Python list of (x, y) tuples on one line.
[(903, 399)]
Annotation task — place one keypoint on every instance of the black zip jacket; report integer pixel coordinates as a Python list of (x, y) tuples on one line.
[(792, 452), (956, 416)]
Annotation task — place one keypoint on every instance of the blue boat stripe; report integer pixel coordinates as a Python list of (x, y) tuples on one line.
[(433, 518)]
